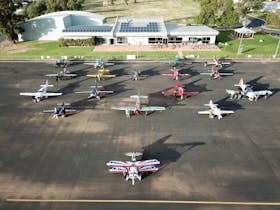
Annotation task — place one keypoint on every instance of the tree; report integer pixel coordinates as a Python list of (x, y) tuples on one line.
[(274, 18), (9, 19), (36, 9), (207, 15), (229, 17), (245, 6), (74, 5)]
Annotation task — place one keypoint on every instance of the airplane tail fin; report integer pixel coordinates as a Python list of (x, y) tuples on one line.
[(133, 155), (46, 84), (211, 104)]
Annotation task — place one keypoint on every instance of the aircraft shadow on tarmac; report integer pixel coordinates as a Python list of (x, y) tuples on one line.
[(71, 86), (117, 87), (167, 153), (226, 104)]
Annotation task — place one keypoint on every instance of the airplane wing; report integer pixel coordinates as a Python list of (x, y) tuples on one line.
[(168, 75), (184, 75), (262, 92), (108, 76), (204, 112), (28, 94), (52, 94), (70, 110), (148, 169), (226, 111), (105, 91), (116, 163), (152, 162), (51, 75), (69, 75), (167, 92), (211, 63), (226, 63), (92, 75), (109, 64), (48, 111), (117, 170), (129, 108), (191, 93), (206, 73), (152, 108), (226, 74)]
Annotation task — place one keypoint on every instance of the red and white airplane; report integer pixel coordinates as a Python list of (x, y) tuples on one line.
[(175, 74), (179, 91), (133, 169), (217, 62)]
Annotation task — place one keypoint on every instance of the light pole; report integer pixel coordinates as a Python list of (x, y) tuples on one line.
[(239, 50), (276, 51)]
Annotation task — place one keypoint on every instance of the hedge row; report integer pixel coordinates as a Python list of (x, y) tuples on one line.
[(76, 42)]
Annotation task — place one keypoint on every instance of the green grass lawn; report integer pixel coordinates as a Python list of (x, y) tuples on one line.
[(253, 47), (250, 47), (181, 11), (261, 15)]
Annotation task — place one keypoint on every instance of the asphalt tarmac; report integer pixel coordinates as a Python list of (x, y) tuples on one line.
[(61, 163)]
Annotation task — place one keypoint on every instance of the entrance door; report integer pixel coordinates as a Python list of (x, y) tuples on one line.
[(112, 41)]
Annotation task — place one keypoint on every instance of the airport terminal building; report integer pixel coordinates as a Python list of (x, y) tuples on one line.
[(125, 30)]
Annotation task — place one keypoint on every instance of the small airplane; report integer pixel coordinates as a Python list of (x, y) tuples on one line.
[(61, 63), (215, 74), (217, 62), (179, 91), (99, 63), (133, 169), (95, 92), (137, 75), (137, 109), (175, 74), (215, 111), (179, 61), (102, 73), (247, 91), (41, 93), (61, 110), (61, 75)]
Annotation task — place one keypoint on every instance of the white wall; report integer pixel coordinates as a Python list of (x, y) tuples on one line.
[(43, 29), (138, 40)]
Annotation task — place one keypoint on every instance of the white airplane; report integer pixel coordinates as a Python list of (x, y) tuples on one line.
[(41, 93), (61, 75), (99, 63), (247, 91), (137, 109), (217, 62), (215, 74), (137, 75), (61, 110), (215, 111), (95, 93), (133, 169)]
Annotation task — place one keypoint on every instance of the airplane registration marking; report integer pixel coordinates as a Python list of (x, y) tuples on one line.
[(146, 201)]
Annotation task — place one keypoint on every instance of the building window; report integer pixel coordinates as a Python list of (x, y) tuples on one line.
[(155, 40), (206, 40), (122, 40), (175, 40)]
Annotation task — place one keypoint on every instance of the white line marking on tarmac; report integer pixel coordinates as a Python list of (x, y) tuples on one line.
[(235, 203)]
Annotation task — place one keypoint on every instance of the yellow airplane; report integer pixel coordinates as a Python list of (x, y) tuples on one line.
[(102, 74)]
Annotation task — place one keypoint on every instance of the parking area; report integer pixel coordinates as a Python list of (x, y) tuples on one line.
[(233, 159)]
